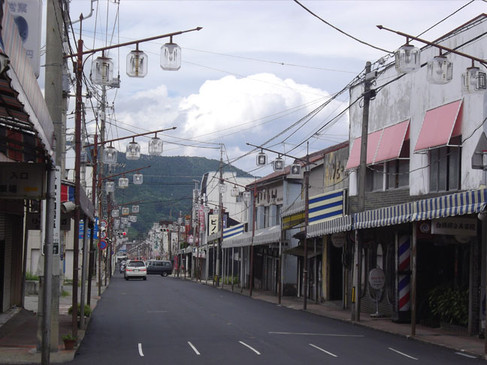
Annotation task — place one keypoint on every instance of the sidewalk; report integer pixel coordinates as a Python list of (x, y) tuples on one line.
[(18, 330), (452, 338)]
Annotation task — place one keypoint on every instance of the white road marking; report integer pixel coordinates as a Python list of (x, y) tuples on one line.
[(466, 355), (402, 353), (326, 352), (250, 347), (312, 334), (194, 348), (140, 350)]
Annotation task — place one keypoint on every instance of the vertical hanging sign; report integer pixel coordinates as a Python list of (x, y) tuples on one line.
[(56, 236), (81, 229)]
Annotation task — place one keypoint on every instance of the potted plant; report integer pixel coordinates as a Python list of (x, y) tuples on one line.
[(69, 341)]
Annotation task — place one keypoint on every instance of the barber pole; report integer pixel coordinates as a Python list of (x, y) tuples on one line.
[(404, 278)]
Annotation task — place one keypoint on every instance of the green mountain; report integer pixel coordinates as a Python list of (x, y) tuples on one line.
[(167, 187)]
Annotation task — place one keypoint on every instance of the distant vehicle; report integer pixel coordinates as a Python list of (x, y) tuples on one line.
[(135, 269), (122, 266), (159, 267)]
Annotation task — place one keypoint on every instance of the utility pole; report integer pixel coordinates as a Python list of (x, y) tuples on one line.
[(367, 94), (55, 103), (220, 217), (306, 220)]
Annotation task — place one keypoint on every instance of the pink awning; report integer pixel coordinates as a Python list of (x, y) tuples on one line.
[(391, 142), (372, 143), (382, 145), (439, 125)]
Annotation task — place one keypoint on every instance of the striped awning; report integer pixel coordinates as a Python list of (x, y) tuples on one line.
[(336, 225), (267, 235), (326, 206), (233, 231), (467, 202), (245, 239), (396, 214)]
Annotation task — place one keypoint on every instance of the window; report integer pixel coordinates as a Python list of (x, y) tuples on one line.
[(374, 177), (445, 167), (397, 174)]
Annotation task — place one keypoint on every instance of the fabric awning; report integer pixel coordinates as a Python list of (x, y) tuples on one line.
[(382, 145), (245, 239), (396, 214), (299, 251), (267, 235), (373, 140), (467, 202), (326, 206), (233, 231), (439, 125), (26, 128), (391, 142), (341, 224)]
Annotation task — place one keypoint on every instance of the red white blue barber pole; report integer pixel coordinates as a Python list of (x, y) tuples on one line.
[(404, 279)]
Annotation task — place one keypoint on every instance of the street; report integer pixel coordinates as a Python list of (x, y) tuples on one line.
[(170, 320)]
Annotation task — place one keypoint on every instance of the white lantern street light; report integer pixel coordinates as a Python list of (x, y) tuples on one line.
[(110, 186), (278, 163), (473, 80), (102, 71), (135, 209), (295, 170), (137, 63), (261, 159), (133, 150), (138, 179), (234, 192), (110, 155), (123, 183), (407, 58), (170, 56), (155, 146), (115, 213), (439, 70), (125, 211)]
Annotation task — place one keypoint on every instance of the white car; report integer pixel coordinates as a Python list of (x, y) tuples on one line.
[(135, 269)]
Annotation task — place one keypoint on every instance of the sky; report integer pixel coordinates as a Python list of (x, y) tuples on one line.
[(256, 70)]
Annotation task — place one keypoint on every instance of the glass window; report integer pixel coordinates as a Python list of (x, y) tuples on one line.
[(374, 177), (445, 167)]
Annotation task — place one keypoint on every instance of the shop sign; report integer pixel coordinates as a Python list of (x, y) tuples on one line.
[(455, 226), (22, 180)]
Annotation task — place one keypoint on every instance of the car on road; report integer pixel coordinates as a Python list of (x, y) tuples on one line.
[(159, 267), (135, 269)]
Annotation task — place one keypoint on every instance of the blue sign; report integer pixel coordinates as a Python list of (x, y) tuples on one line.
[(81, 229), (102, 245), (95, 228)]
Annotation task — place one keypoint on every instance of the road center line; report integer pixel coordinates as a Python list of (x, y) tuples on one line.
[(139, 346), (326, 352), (250, 347), (194, 348), (312, 334), (402, 353)]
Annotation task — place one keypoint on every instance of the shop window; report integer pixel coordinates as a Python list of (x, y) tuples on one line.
[(374, 178), (397, 174), (445, 167)]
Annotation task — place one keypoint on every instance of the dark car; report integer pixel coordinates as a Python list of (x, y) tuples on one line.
[(159, 267)]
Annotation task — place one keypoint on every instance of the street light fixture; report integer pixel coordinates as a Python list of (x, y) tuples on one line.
[(278, 163), (170, 56), (102, 70), (138, 179), (439, 70), (110, 155), (123, 182), (137, 63), (473, 80), (407, 58), (133, 150), (261, 159), (155, 146)]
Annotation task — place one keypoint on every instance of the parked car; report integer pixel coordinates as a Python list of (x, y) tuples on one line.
[(135, 269), (159, 267)]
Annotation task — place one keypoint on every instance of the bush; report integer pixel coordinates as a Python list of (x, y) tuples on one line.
[(450, 305), (87, 310), (69, 337), (30, 276)]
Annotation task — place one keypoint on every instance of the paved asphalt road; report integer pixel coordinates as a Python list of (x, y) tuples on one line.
[(172, 321)]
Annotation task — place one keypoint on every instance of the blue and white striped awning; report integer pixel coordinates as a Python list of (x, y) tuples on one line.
[(231, 232), (396, 214), (243, 240), (341, 224), (267, 235), (467, 202), (326, 206)]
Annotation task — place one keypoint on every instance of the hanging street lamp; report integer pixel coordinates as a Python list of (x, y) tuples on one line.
[(170, 56), (136, 63)]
